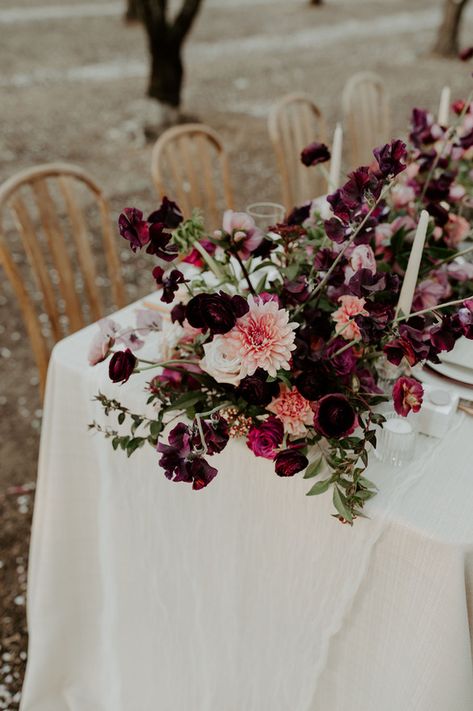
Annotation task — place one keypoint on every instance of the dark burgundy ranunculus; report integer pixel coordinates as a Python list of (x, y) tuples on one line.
[(391, 158), (169, 283), (121, 366), (265, 437), (216, 312), (315, 153), (298, 215), (312, 383), (169, 214), (159, 243), (466, 54), (334, 417), (407, 395), (336, 230), (343, 363), (178, 313), (289, 462), (133, 228), (256, 390), (215, 434)]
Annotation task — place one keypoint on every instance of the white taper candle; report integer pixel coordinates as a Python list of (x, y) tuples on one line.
[(412, 272), (444, 106), (336, 158)]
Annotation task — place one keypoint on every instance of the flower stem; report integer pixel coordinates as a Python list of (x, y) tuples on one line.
[(209, 259), (245, 273), (433, 309)]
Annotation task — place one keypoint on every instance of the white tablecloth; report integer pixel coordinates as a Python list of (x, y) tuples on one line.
[(246, 596)]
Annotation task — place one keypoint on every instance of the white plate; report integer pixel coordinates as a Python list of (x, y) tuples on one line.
[(455, 372), (461, 355)]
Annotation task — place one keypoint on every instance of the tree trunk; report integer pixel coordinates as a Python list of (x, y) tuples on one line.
[(447, 44), (166, 75), (132, 13), (316, 2)]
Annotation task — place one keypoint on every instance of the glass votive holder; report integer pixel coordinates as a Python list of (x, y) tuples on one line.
[(395, 441), (266, 214)]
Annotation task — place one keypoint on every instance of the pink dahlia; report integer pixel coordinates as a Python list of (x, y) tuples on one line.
[(293, 410), (264, 337)]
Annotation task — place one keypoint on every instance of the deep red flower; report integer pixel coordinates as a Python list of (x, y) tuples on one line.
[(314, 154), (289, 462), (169, 282), (215, 434), (133, 228), (159, 243), (334, 417), (194, 257), (265, 437), (168, 214), (407, 395), (181, 463), (121, 366), (391, 158), (216, 312), (336, 230), (256, 390)]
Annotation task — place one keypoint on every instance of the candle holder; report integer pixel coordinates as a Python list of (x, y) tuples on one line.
[(266, 214), (396, 441)]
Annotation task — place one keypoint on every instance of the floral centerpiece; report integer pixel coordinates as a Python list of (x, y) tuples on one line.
[(274, 337)]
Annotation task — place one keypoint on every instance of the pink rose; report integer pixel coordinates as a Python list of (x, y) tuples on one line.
[(265, 438)]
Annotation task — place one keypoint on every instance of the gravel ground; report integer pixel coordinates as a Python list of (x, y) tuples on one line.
[(72, 89)]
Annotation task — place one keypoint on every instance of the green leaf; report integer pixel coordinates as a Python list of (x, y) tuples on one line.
[(115, 442), (133, 444), (121, 418), (367, 483), (260, 285), (184, 401), (319, 487), (339, 503), (313, 469), (156, 428)]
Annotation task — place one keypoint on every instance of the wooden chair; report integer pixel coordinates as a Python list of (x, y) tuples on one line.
[(366, 116), (293, 123), (190, 165), (45, 250)]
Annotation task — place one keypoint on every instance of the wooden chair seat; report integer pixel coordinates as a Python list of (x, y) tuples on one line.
[(48, 216), (293, 123), (189, 164)]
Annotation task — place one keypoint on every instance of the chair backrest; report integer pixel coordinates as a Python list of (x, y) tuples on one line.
[(365, 107), (49, 218), (190, 165), (293, 123)]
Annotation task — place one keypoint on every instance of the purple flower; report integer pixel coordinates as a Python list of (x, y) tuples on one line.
[(289, 462), (390, 158), (334, 417), (133, 228), (256, 390), (169, 283), (121, 366), (216, 312), (265, 437), (215, 434), (407, 395), (314, 154), (180, 462), (169, 214), (336, 230), (439, 189), (343, 363), (159, 243), (444, 335)]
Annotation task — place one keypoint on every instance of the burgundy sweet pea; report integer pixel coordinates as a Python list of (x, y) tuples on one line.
[(334, 417), (314, 154), (390, 158), (168, 282), (289, 462), (201, 473), (215, 434), (169, 214), (407, 395), (159, 243), (133, 228), (265, 438), (121, 366)]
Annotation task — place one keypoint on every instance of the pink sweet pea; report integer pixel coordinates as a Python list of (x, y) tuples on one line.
[(456, 229), (241, 227), (351, 306)]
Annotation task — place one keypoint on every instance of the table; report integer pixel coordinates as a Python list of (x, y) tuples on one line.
[(246, 596)]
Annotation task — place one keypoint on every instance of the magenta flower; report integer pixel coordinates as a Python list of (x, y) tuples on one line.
[(334, 417), (265, 438), (314, 154), (407, 395), (289, 462)]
